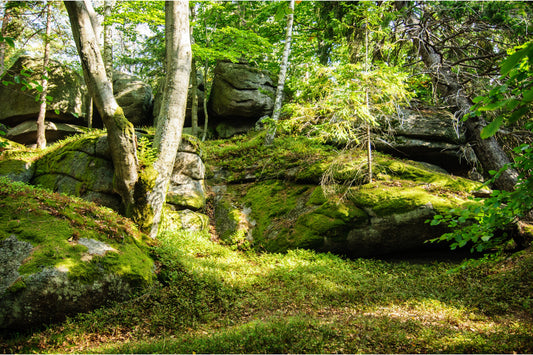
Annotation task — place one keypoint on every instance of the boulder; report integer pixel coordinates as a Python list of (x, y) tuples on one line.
[(82, 168), (427, 134), (62, 256), (26, 132), (387, 216), (240, 95), (135, 97), (65, 86)]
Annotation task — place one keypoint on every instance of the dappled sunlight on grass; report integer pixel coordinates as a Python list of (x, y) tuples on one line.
[(213, 299)]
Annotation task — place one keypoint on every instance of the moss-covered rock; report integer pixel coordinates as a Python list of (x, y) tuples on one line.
[(62, 256), (292, 210)]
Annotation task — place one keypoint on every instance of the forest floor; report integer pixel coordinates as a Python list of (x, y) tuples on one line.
[(212, 299)]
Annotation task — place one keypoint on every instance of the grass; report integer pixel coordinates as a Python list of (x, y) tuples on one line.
[(211, 299)]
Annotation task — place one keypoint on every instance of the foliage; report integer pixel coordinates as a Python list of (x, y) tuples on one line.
[(492, 223), (331, 103)]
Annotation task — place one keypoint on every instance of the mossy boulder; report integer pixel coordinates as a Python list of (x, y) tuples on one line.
[(65, 86), (80, 168), (62, 256), (343, 215)]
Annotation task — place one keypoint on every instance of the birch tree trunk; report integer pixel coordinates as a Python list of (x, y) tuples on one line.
[(488, 151), (121, 135), (282, 75), (41, 129), (172, 115)]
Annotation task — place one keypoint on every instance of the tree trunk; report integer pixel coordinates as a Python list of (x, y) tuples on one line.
[(121, 135), (3, 31), (282, 74), (108, 39), (194, 103), (41, 129), (206, 115), (172, 115), (488, 151)]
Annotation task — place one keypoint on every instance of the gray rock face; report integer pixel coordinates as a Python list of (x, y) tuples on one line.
[(65, 87), (82, 169), (240, 95), (135, 97), (187, 187), (430, 135)]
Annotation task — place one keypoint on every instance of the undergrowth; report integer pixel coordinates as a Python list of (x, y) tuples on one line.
[(211, 299)]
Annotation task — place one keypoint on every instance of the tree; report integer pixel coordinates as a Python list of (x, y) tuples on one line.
[(488, 151), (172, 116), (41, 129), (120, 132), (269, 138)]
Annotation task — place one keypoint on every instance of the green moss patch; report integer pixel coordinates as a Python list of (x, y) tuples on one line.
[(53, 224)]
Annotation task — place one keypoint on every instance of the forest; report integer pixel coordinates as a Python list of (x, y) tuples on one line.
[(266, 176)]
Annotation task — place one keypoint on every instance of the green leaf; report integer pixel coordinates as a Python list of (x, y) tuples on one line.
[(516, 115), (492, 128), (527, 96), (478, 99), (512, 60), (57, 111)]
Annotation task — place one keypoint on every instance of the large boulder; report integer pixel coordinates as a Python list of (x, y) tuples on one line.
[(240, 95), (62, 256), (65, 86), (427, 134), (387, 216), (135, 97), (82, 168)]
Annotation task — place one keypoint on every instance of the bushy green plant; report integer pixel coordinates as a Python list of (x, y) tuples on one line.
[(491, 222)]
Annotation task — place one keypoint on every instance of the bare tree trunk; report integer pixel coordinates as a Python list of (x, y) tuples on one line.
[(194, 103), (121, 135), (3, 31), (172, 115), (488, 151), (206, 115), (41, 129), (108, 39), (282, 74)]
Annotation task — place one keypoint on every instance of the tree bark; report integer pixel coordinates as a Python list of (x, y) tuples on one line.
[(194, 103), (488, 151), (41, 129), (120, 132), (108, 39), (3, 31), (282, 75), (172, 115)]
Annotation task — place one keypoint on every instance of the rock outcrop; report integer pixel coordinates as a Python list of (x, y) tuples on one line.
[(240, 96), (84, 168), (286, 207), (427, 134)]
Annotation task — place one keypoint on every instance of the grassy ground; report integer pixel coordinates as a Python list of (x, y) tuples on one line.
[(211, 299)]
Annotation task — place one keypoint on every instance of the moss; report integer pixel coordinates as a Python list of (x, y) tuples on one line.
[(141, 212), (16, 286), (53, 223), (385, 199)]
